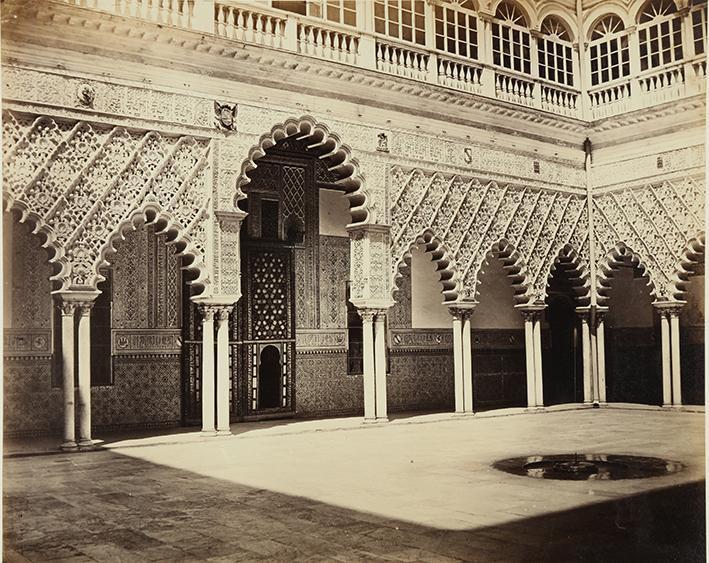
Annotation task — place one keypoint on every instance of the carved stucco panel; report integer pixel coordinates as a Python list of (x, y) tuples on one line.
[(655, 222), (110, 98), (470, 217), (97, 181)]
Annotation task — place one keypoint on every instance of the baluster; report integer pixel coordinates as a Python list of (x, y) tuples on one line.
[(467, 77), (239, 25), (229, 25), (220, 19), (249, 27), (321, 47), (171, 12), (380, 56), (300, 34)]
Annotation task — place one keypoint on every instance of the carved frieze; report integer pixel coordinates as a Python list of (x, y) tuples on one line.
[(64, 91), (421, 339), (145, 341), (27, 342), (321, 339)]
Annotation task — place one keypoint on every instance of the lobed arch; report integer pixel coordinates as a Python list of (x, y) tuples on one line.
[(329, 147), (603, 9), (515, 267), (610, 263), (23, 214), (569, 259), (450, 277), (691, 257), (151, 212)]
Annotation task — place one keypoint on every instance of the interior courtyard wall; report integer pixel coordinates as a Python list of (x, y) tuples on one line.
[(31, 403), (527, 188), (499, 376), (421, 345)]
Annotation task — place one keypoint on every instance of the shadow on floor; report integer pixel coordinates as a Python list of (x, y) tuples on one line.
[(109, 507)]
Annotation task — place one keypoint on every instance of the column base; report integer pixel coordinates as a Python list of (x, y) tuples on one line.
[(224, 433), (208, 433), (69, 446), (86, 445), (375, 420)]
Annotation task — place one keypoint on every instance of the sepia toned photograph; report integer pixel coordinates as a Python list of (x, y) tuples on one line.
[(353, 280)]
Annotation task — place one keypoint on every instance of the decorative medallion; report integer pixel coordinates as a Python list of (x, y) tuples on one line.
[(86, 94)]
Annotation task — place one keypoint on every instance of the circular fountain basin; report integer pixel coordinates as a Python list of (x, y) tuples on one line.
[(588, 467)]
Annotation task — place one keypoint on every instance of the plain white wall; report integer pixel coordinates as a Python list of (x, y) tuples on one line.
[(427, 309), (495, 299), (334, 213)]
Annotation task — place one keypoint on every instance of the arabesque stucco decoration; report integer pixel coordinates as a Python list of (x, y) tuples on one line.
[(463, 219), (651, 226), (84, 185)]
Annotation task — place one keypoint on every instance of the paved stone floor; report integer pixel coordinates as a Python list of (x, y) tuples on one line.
[(342, 491)]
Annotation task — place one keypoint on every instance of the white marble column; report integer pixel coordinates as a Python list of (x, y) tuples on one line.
[(380, 367), (85, 441), (69, 389), (601, 351), (457, 359), (207, 370), (538, 379), (584, 314), (467, 343), (370, 404), (675, 351), (529, 356), (223, 390), (666, 359)]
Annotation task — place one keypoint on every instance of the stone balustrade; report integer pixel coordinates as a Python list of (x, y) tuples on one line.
[(257, 23)]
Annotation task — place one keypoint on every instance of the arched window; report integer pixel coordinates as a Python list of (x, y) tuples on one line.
[(457, 28), (340, 11), (659, 34), (510, 38), (699, 26), (555, 52), (610, 56), (402, 19)]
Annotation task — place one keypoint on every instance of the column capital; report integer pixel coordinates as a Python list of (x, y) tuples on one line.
[(531, 312), (85, 307), (208, 311), (68, 308), (222, 313), (669, 308), (600, 314), (584, 313), (367, 315), (461, 312)]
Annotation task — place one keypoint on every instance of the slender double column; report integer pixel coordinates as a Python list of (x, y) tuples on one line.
[(374, 343), (462, 359), (533, 355), (671, 371), (71, 303)]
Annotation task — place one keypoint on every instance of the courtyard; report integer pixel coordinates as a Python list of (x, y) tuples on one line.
[(420, 488)]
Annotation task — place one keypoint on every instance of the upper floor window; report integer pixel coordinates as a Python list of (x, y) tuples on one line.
[(699, 26), (555, 52), (610, 56), (340, 11), (457, 28), (402, 19), (510, 38), (659, 34)]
